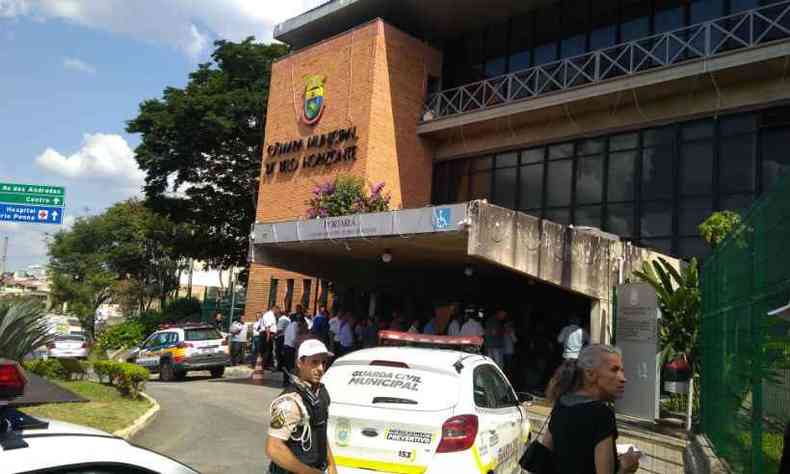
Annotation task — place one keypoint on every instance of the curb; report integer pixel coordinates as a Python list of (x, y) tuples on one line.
[(144, 420)]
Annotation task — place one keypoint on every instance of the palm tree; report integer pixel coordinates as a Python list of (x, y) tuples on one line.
[(23, 328)]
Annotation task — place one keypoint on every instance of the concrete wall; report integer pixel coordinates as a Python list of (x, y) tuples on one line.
[(582, 261)]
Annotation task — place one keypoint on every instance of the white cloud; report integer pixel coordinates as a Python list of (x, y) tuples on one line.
[(13, 8), (189, 25), (101, 157), (78, 65)]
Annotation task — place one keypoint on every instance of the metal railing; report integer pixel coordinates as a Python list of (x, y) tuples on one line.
[(704, 40)]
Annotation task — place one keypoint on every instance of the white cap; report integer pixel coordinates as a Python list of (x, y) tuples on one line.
[(311, 347)]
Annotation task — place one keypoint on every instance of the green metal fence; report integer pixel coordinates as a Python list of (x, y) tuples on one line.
[(746, 352)]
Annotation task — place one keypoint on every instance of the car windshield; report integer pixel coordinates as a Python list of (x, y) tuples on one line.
[(69, 339), (202, 334)]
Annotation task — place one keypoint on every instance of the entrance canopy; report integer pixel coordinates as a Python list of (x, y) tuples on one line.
[(422, 242)]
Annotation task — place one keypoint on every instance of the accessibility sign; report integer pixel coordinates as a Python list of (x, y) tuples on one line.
[(31, 214)]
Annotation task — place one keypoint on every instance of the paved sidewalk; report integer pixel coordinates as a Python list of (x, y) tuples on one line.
[(662, 447)]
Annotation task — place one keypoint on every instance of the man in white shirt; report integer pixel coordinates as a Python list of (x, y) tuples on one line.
[(256, 338), (267, 329), (334, 330), (345, 334), (573, 338), (472, 326), (279, 340), (238, 336)]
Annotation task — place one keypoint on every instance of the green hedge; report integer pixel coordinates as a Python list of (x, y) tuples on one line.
[(129, 379), (126, 334)]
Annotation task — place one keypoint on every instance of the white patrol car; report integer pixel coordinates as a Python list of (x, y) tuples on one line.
[(424, 409), (173, 351), (30, 445)]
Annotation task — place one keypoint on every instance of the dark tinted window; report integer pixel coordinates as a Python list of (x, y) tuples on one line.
[(587, 216), (505, 187), (531, 192), (620, 219), (696, 168), (589, 179), (621, 176), (481, 185), (692, 212), (559, 183), (656, 219), (737, 164), (776, 159), (658, 181), (202, 334)]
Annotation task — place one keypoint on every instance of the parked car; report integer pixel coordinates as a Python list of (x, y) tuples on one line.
[(176, 350), (29, 445), (424, 409), (68, 346)]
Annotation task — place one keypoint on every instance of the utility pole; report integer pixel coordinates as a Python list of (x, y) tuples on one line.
[(5, 255), (232, 286)]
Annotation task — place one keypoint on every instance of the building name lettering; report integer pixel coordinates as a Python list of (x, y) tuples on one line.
[(338, 139)]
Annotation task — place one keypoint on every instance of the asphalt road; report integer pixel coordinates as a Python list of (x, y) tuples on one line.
[(214, 426)]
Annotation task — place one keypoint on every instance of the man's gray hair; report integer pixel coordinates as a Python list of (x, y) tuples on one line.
[(591, 356)]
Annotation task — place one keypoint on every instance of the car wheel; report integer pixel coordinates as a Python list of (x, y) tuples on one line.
[(217, 372), (166, 372)]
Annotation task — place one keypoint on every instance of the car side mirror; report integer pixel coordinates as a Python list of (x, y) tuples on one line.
[(524, 397), (133, 353)]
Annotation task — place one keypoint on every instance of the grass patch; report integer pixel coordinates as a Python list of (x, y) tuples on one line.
[(106, 409)]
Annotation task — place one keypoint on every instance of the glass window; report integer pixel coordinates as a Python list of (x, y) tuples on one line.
[(273, 292), (481, 185), (533, 155), (692, 212), (496, 49), (560, 216), (307, 288), (776, 159), (625, 141), (547, 28), (704, 10), (590, 147), (459, 181), (697, 130), (505, 187), (504, 160), (587, 216), (739, 203), (521, 43), (656, 219), (573, 46), (658, 136), (693, 247), (669, 16), (589, 180), (741, 5), (563, 150), (620, 219), (441, 181), (289, 294), (531, 187), (559, 183), (657, 179), (603, 31), (736, 164), (696, 168), (473, 57), (635, 20), (621, 176), (483, 164), (484, 388), (737, 124)]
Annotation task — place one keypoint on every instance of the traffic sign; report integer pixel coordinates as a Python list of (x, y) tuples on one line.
[(32, 199), (32, 189), (31, 214)]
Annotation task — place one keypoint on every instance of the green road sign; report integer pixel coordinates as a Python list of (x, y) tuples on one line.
[(32, 189), (38, 199)]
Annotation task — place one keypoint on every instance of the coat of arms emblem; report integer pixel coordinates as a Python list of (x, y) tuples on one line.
[(314, 102)]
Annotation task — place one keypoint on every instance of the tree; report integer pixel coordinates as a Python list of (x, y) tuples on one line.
[(127, 253), (679, 300), (23, 328), (718, 226), (206, 140)]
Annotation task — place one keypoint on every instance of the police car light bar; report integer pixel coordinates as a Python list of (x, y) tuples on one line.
[(430, 339)]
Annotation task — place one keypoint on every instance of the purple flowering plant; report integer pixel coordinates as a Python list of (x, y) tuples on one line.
[(346, 195)]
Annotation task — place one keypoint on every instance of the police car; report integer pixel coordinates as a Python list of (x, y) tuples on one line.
[(30, 445), (429, 408), (175, 350)]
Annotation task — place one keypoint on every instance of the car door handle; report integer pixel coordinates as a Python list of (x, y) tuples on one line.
[(370, 432)]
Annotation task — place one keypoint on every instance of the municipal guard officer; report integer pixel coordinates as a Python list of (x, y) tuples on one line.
[(297, 440)]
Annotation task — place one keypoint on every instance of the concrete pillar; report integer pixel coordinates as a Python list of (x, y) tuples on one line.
[(600, 321), (372, 304)]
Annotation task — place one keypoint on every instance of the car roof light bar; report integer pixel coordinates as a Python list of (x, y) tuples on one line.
[(430, 339)]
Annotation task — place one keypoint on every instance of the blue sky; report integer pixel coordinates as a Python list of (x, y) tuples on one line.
[(74, 71)]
